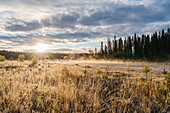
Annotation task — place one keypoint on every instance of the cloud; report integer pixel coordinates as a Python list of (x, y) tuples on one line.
[(61, 21), (124, 14), (21, 25), (25, 23)]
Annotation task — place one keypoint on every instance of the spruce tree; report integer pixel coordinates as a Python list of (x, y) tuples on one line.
[(160, 44), (105, 51), (163, 43), (147, 47), (115, 45), (135, 45), (101, 50), (120, 46), (166, 44), (129, 45), (109, 46), (156, 45), (168, 41), (142, 45), (153, 45), (95, 51), (125, 48), (139, 51)]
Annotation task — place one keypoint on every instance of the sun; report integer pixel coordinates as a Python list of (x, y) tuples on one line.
[(41, 47)]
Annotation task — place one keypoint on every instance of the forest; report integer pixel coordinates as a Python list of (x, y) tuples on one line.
[(149, 47)]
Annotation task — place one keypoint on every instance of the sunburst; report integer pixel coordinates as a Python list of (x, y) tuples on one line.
[(41, 47)]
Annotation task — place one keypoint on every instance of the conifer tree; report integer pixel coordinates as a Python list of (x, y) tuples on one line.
[(142, 45), (157, 48), (101, 50), (129, 45), (160, 43), (95, 50), (153, 46), (168, 41), (139, 48), (109, 46), (147, 47), (163, 41), (135, 45), (166, 44), (105, 50), (115, 45), (156, 45), (125, 48), (120, 46)]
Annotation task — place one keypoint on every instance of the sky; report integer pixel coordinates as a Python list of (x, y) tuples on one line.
[(72, 26)]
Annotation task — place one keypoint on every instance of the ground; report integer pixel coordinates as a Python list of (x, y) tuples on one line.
[(82, 86)]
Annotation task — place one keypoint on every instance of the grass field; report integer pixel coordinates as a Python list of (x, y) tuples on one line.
[(54, 87)]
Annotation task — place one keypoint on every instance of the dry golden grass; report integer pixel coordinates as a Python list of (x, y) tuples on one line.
[(47, 87)]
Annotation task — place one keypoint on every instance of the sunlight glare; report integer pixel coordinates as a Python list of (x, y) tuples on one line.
[(41, 47)]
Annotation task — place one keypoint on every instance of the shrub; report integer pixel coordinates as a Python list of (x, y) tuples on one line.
[(21, 58), (146, 69), (164, 72), (87, 67), (106, 70), (2, 58), (65, 71), (142, 79), (85, 71), (34, 61), (166, 81), (11, 59)]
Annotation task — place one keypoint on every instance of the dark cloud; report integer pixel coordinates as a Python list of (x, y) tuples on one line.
[(124, 14), (56, 21), (111, 15), (23, 26), (61, 21)]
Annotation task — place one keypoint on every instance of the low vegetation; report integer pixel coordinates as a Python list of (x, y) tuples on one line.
[(47, 87), (2, 58), (146, 70), (34, 61), (21, 58)]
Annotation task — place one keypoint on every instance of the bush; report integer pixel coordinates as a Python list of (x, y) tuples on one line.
[(21, 58), (164, 72), (146, 69), (2, 58), (166, 81), (11, 59), (142, 79), (34, 61)]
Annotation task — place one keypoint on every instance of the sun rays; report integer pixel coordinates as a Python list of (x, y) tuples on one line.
[(41, 47)]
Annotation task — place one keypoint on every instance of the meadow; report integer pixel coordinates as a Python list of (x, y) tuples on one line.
[(55, 87)]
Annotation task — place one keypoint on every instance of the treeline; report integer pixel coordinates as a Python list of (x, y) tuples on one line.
[(150, 47), (13, 55), (29, 56)]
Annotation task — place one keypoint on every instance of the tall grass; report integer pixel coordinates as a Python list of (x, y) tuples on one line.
[(47, 87)]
